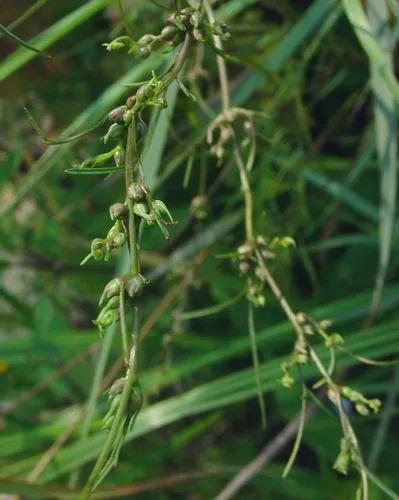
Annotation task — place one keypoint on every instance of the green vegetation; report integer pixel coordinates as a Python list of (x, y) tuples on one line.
[(198, 226)]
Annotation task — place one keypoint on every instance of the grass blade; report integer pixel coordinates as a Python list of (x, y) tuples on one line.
[(51, 35), (14, 38), (360, 23), (386, 141)]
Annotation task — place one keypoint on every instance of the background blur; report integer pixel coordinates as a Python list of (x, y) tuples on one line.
[(317, 178)]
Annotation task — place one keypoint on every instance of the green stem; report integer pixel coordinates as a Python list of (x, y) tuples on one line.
[(255, 361), (118, 421), (181, 57), (131, 153), (122, 314)]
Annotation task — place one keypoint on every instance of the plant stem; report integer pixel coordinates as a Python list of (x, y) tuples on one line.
[(172, 74), (255, 361), (222, 70), (246, 189), (122, 314), (120, 415), (131, 149)]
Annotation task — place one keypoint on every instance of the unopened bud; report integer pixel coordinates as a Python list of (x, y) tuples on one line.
[(117, 211), (116, 115)]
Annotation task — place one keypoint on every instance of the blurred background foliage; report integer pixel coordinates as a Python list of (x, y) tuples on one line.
[(316, 178)]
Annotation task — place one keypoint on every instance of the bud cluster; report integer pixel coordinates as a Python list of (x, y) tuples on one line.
[(188, 20), (101, 247), (114, 396), (152, 211), (250, 258), (222, 128)]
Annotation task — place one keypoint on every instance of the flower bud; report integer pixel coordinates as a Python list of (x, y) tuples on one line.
[(114, 131), (118, 211), (134, 285), (343, 460), (97, 248), (105, 319), (261, 273), (144, 51), (195, 19), (119, 240), (244, 250), (198, 35), (119, 157), (146, 39), (141, 209), (168, 33), (116, 115), (131, 101), (244, 267), (137, 192), (116, 388), (112, 289)]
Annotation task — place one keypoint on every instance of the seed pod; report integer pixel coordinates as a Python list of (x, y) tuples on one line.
[(116, 115)]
